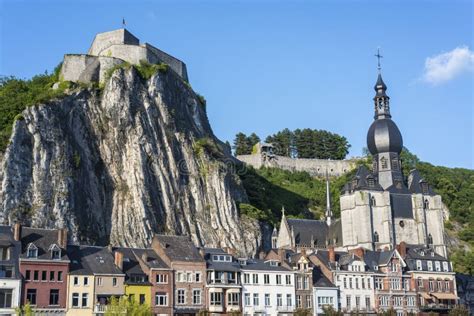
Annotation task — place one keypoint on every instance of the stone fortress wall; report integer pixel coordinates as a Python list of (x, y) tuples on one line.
[(110, 49), (264, 157)]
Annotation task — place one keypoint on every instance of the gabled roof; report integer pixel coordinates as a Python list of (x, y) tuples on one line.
[(323, 256), (232, 266), (43, 239), (92, 260), (362, 176), (179, 248), (380, 258), (262, 265), (309, 232)]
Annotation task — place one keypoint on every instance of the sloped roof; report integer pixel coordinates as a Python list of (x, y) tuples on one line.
[(309, 230), (232, 266), (377, 258), (414, 183), (92, 260), (320, 280), (43, 239), (323, 256), (179, 248), (362, 175), (261, 265)]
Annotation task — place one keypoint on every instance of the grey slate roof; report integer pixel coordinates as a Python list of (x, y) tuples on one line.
[(261, 265), (323, 256), (309, 230), (88, 260), (424, 254), (43, 239), (362, 175), (320, 280), (401, 205), (179, 248), (7, 240), (414, 183), (232, 266), (377, 258)]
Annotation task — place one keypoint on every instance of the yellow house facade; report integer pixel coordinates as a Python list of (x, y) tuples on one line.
[(80, 300), (141, 294)]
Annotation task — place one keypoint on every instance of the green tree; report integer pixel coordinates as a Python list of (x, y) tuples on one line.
[(125, 306), (24, 310), (283, 143), (302, 312), (241, 144), (252, 140), (330, 311), (459, 310)]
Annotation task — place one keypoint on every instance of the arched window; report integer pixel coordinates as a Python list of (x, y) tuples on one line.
[(426, 204), (430, 239), (376, 237)]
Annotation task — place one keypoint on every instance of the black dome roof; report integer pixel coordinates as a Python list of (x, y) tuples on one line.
[(384, 136)]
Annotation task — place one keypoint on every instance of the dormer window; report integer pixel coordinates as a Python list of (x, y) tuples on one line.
[(419, 267), (55, 252), (221, 258), (424, 187), (371, 182), (242, 262), (32, 251), (274, 263)]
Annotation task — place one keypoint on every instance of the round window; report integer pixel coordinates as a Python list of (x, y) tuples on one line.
[(402, 224)]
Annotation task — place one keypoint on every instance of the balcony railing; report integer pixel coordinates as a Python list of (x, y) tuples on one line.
[(285, 308)]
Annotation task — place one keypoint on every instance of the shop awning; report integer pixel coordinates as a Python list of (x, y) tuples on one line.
[(445, 296), (426, 296)]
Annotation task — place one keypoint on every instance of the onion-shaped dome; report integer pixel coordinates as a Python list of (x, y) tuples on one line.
[(384, 136)]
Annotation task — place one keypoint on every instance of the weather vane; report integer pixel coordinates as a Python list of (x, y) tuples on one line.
[(378, 58)]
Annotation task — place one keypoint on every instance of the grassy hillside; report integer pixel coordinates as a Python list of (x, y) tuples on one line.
[(305, 197)]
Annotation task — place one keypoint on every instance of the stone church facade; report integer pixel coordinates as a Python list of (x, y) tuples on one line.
[(378, 209)]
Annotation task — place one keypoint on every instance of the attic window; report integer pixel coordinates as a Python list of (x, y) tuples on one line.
[(274, 263), (56, 254), (32, 251), (243, 262)]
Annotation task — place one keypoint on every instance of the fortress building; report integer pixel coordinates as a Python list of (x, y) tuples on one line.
[(378, 210), (113, 48)]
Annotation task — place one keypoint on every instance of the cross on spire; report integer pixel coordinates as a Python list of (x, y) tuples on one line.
[(378, 58)]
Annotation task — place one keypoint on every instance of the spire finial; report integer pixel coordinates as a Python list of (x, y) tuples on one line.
[(283, 211), (378, 59), (123, 22)]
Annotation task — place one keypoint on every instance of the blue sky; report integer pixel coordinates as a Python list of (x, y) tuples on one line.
[(267, 65)]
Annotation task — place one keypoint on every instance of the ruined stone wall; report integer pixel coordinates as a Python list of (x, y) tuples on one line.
[(315, 167)]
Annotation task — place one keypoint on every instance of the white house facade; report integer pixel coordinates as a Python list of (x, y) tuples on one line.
[(267, 288)]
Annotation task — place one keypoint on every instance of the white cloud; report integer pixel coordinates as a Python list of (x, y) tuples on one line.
[(445, 66)]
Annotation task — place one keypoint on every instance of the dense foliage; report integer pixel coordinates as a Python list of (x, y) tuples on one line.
[(17, 94), (300, 143), (243, 144), (270, 189)]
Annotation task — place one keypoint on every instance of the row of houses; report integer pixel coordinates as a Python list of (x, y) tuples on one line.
[(173, 277)]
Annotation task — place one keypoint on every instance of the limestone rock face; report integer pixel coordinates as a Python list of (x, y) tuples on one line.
[(118, 165)]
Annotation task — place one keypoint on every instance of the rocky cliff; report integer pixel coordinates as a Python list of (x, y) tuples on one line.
[(115, 165)]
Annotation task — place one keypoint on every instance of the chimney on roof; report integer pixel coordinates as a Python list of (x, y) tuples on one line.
[(332, 254), (229, 250), (119, 259), (17, 231), (281, 254), (62, 238), (359, 252), (202, 252), (402, 249), (303, 252)]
